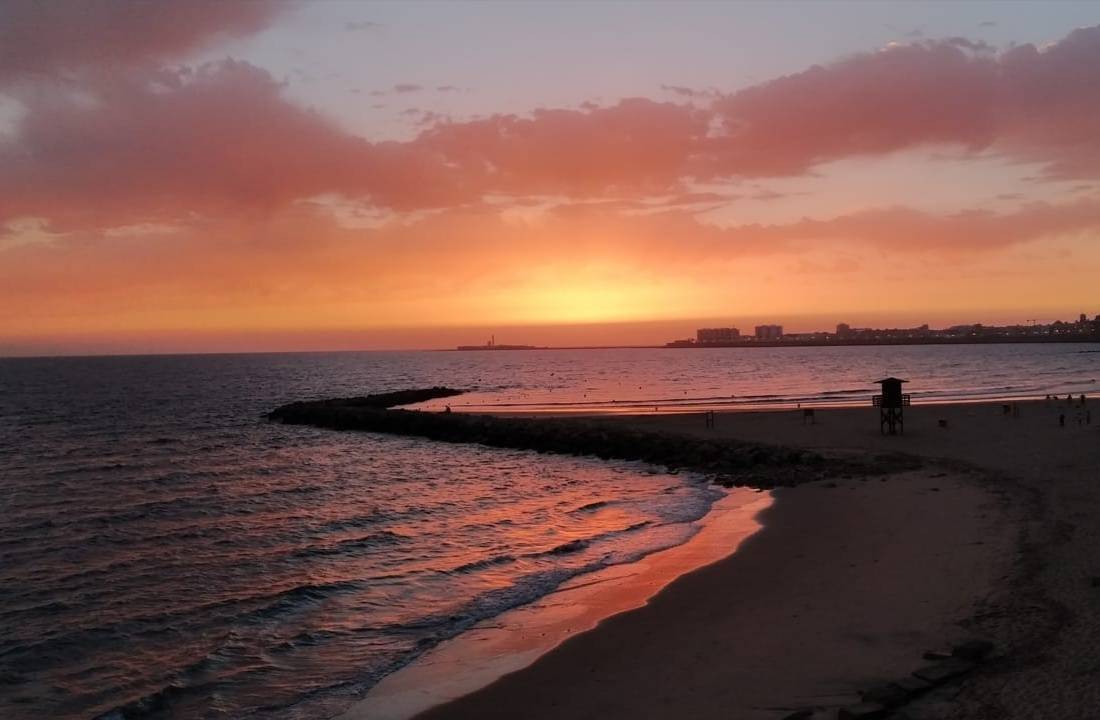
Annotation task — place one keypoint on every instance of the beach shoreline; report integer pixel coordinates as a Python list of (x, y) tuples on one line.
[(835, 594), (516, 638), (1000, 553)]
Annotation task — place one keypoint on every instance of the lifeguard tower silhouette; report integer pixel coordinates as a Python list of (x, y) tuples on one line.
[(890, 404)]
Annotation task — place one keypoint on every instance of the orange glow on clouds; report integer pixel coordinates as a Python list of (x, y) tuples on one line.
[(150, 203)]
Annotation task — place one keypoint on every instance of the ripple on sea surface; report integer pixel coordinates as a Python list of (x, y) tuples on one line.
[(159, 541), (196, 581)]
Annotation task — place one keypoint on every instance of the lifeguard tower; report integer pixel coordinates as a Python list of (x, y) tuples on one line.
[(890, 404)]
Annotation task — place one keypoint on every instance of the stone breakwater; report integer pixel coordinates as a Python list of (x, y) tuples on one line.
[(727, 462), (379, 401)]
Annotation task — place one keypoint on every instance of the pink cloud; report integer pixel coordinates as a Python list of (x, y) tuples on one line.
[(1049, 103), (42, 38), (138, 144), (1031, 104), (161, 145), (1027, 104), (637, 145), (894, 99)]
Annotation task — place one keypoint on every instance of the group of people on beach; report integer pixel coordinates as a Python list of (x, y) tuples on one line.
[(1083, 415), (1069, 399)]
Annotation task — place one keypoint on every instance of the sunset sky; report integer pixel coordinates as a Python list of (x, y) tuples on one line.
[(207, 176)]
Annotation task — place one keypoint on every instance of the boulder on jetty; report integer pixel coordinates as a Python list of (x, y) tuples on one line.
[(772, 466)]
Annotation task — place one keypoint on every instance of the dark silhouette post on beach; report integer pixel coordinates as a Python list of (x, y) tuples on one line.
[(891, 403)]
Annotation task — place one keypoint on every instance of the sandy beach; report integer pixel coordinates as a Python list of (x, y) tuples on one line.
[(850, 582)]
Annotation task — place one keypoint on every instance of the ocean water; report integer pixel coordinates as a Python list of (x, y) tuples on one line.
[(696, 378), (166, 553)]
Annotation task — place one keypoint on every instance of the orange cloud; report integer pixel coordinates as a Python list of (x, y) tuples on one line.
[(904, 230)]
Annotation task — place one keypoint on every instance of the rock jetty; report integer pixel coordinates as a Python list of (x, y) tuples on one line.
[(728, 462)]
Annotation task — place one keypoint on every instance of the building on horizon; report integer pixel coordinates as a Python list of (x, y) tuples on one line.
[(769, 332), (717, 336), (843, 330)]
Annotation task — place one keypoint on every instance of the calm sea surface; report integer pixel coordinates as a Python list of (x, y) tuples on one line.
[(164, 552)]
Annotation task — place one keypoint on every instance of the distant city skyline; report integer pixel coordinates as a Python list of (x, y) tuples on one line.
[(1083, 326)]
